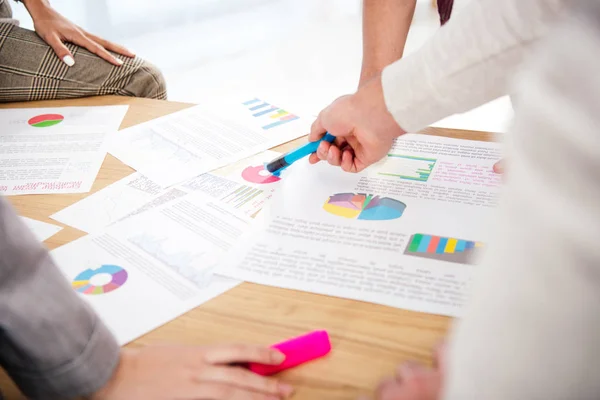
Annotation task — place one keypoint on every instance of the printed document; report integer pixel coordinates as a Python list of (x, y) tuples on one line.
[(54, 150), (406, 232), (185, 144), (150, 268)]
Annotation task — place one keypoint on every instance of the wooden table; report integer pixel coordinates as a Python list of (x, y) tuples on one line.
[(368, 340)]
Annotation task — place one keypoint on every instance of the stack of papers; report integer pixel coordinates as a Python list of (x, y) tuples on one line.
[(407, 232)]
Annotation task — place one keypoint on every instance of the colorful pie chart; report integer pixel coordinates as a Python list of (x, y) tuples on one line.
[(83, 282), (364, 206), (258, 175), (45, 120)]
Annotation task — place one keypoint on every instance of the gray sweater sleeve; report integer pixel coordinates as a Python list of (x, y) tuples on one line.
[(532, 329), (471, 60), (51, 343)]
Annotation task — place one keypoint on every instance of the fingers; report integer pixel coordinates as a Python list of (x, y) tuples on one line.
[(316, 130), (82, 40), (499, 167), (220, 391), (110, 45), (243, 378), (60, 49), (242, 353), (313, 158), (440, 356)]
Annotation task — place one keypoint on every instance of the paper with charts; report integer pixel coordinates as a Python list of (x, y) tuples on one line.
[(244, 185), (54, 150), (150, 268), (185, 144), (405, 233)]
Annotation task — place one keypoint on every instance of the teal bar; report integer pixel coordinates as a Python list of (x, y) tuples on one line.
[(441, 246), (460, 246), (424, 244)]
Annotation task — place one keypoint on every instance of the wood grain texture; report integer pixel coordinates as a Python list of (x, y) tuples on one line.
[(368, 340)]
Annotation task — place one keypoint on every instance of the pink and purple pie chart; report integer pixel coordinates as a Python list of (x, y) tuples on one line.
[(100, 280)]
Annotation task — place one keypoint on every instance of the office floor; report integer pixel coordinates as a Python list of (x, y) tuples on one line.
[(299, 54)]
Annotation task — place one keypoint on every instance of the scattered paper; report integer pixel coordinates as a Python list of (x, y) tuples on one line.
[(235, 185), (41, 230), (185, 144), (54, 150), (404, 233), (146, 270), (245, 185)]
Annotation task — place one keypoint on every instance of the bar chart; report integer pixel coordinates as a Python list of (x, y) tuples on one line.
[(272, 116), (442, 248)]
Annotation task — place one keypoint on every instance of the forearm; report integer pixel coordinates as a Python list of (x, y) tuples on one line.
[(531, 329), (385, 27), (468, 62), (51, 343)]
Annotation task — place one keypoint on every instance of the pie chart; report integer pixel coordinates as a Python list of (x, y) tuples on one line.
[(83, 282), (258, 175), (45, 120), (364, 206)]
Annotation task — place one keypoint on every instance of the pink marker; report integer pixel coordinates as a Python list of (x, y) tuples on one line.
[(297, 351)]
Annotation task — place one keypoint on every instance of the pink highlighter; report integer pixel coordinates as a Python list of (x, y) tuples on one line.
[(297, 351)]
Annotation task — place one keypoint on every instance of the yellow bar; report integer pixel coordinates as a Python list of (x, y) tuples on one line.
[(279, 113), (450, 245)]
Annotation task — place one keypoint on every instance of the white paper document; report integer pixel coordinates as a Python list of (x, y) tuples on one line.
[(242, 185), (405, 233), (185, 144), (148, 269), (54, 150), (41, 230)]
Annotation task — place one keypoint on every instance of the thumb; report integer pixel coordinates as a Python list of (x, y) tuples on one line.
[(316, 130), (61, 50)]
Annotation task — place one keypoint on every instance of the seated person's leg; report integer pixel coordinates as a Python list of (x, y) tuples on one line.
[(30, 70)]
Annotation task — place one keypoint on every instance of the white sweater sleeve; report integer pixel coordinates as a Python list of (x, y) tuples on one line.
[(532, 328), (468, 62)]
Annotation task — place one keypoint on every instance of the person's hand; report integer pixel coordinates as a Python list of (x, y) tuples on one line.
[(499, 167), (364, 129), (194, 373), (55, 29), (414, 381)]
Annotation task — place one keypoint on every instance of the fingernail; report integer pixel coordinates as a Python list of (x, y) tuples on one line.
[(119, 61), (277, 357), (330, 155), (285, 390), (408, 369), (69, 60)]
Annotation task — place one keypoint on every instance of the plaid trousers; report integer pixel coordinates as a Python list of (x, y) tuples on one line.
[(30, 70)]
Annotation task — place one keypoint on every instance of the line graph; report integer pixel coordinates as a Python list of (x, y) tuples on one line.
[(186, 263)]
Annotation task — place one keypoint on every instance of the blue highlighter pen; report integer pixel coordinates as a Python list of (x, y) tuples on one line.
[(280, 163)]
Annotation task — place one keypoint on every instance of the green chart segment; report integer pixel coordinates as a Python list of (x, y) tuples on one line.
[(442, 248), (408, 167), (364, 206), (45, 120)]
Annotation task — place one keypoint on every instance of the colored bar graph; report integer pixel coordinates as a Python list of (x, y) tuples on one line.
[(442, 248), (433, 244), (415, 242), (450, 246), (258, 107), (424, 244), (268, 111), (279, 114)]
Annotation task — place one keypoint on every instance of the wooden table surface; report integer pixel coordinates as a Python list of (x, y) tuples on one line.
[(368, 340)]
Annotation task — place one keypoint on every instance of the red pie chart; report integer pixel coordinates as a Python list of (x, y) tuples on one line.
[(258, 175), (45, 120)]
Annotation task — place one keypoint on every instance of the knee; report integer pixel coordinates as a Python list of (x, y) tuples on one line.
[(147, 81)]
